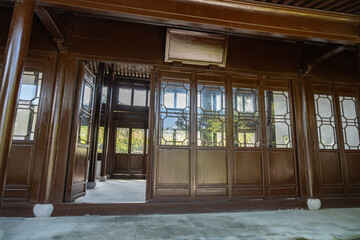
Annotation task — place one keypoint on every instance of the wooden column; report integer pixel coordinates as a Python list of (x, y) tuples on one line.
[(15, 53), (358, 58), (107, 127), (46, 186), (95, 130)]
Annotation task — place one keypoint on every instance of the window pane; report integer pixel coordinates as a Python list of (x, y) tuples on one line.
[(350, 122), (140, 97), (137, 141), (100, 139), (125, 96), (325, 121), (278, 119), (246, 117), (211, 116), (174, 114), (84, 129), (28, 105), (104, 94), (122, 140), (87, 97)]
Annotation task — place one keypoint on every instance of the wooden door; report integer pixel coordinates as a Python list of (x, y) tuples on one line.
[(81, 134)]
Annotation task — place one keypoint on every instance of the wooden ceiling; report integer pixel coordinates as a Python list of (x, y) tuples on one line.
[(123, 69), (342, 6)]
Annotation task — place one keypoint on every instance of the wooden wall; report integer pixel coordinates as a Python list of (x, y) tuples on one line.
[(112, 40)]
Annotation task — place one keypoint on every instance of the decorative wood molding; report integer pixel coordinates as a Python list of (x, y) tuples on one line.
[(228, 16)]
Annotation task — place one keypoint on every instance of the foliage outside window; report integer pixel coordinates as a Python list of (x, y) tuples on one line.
[(350, 122), (211, 115), (325, 121), (100, 139), (28, 106), (122, 140), (137, 141), (174, 114), (278, 119), (246, 117)]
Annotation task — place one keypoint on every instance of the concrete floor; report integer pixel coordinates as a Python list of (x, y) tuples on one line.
[(325, 224), (116, 191)]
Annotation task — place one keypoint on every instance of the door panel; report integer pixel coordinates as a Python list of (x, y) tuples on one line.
[(248, 168), (81, 134)]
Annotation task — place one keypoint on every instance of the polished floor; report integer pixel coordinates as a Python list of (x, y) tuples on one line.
[(327, 224), (116, 191)]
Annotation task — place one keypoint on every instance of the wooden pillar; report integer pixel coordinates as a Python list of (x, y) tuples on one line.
[(46, 185), (15, 54), (107, 126), (358, 58), (95, 130)]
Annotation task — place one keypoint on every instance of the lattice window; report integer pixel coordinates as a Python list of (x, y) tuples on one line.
[(211, 115), (350, 122), (28, 106), (278, 119), (86, 111), (122, 140), (137, 141), (174, 114), (246, 117), (325, 121)]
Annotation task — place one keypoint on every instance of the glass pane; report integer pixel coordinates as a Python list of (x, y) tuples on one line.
[(137, 141), (122, 140), (28, 105), (104, 94), (125, 96), (278, 120), (174, 130), (140, 97), (325, 121), (246, 117), (87, 97), (100, 139), (84, 129), (211, 116), (350, 122), (175, 114)]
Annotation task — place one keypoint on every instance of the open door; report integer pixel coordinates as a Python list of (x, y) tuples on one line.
[(81, 134)]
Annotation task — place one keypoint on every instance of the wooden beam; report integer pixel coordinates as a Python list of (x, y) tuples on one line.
[(299, 3), (287, 2), (349, 5), (320, 55), (227, 16), (325, 3), (53, 24), (312, 3), (333, 7), (14, 60)]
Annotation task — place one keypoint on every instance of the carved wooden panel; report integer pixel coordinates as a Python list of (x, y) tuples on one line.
[(248, 168), (173, 166), (18, 172), (353, 168), (281, 167), (211, 167)]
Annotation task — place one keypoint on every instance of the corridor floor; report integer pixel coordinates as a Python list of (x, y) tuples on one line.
[(326, 224), (116, 191)]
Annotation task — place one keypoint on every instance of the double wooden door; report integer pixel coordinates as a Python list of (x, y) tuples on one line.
[(224, 137), (130, 152)]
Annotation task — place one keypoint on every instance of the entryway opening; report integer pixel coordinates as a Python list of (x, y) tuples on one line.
[(117, 133)]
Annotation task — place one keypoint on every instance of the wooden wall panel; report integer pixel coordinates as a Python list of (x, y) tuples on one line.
[(121, 164), (136, 164), (248, 168), (281, 168), (330, 170), (353, 169), (173, 166), (81, 160), (211, 167), (18, 172)]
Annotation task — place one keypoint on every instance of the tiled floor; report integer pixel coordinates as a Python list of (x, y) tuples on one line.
[(328, 224), (116, 191)]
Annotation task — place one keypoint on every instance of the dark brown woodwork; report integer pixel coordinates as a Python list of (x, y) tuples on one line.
[(53, 24), (79, 151), (321, 54), (15, 53), (235, 17), (96, 123), (106, 154)]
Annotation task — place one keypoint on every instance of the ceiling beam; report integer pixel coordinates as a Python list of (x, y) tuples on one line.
[(334, 6), (319, 55), (312, 3), (53, 24), (288, 2), (346, 6), (324, 4), (227, 16)]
